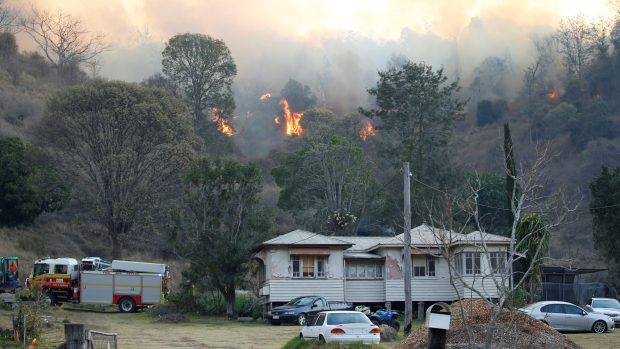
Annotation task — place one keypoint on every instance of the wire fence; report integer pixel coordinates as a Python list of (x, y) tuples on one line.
[(102, 340), (577, 293)]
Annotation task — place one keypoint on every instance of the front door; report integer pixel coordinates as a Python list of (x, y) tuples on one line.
[(574, 319)]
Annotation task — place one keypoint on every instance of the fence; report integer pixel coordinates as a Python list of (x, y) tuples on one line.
[(577, 293), (102, 340)]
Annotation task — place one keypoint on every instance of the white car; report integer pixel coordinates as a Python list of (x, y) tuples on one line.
[(341, 326), (607, 306), (565, 316)]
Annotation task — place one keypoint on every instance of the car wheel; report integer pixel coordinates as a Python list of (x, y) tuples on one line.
[(302, 319), (126, 305), (321, 339), (599, 327), (395, 325), (301, 336)]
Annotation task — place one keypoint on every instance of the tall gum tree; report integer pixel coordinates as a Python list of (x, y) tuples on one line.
[(121, 145), (204, 70)]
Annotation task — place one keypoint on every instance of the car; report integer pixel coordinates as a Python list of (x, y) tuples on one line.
[(607, 306), (565, 316), (341, 326), (299, 310)]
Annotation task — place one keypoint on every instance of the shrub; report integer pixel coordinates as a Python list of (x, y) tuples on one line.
[(518, 298), (297, 343), (247, 305)]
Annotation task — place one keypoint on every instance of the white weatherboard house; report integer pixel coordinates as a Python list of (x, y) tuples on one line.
[(370, 269)]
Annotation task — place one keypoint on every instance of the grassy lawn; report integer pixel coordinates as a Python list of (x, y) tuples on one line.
[(589, 340)]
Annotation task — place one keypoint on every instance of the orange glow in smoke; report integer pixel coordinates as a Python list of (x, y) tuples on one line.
[(265, 96), (553, 95)]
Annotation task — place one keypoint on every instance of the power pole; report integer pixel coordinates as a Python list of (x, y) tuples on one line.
[(407, 248)]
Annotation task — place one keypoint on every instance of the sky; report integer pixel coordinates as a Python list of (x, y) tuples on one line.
[(334, 46)]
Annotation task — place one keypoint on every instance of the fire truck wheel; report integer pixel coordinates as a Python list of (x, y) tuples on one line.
[(126, 305)]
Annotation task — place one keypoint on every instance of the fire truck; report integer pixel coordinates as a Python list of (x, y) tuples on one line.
[(130, 285)]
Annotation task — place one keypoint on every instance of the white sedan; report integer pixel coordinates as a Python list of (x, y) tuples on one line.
[(341, 326)]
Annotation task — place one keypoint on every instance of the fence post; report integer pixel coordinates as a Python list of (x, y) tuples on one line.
[(75, 336)]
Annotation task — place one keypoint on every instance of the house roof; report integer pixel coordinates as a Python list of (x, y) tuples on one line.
[(424, 235), (302, 237), (361, 255), (363, 243), (487, 237)]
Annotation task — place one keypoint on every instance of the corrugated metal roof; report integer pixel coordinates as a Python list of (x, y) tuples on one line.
[(361, 255), (302, 237), (363, 243)]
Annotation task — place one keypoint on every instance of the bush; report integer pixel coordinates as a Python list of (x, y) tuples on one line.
[(32, 310), (518, 298), (248, 306)]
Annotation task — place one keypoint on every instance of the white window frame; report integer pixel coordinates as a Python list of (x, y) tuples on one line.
[(500, 259), (318, 273), (475, 267), (426, 267), (367, 267)]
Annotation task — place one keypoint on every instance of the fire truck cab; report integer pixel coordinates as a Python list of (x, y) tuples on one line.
[(56, 276)]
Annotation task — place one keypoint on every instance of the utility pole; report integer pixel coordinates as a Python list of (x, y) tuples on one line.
[(407, 248)]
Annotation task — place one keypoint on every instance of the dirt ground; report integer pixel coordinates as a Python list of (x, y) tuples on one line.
[(138, 330)]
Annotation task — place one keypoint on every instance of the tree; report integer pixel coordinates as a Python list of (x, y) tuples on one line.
[(63, 39), (329, 175), (122, 145), (512, 188), (605, 210), (27, 186), (222, 224), (299, 96), (536, 77), (204, 69), (8, 18), (490, 111), (577, 43), (533, 243)]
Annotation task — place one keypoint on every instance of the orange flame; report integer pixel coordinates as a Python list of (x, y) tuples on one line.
[(222, 126), (367, 131), (277, 120), (552, 95), (293, 119), (265, 96)]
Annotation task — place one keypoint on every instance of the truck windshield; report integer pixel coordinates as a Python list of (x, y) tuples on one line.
[(606, 303), (60, 269), (40, 269), (301, 301)]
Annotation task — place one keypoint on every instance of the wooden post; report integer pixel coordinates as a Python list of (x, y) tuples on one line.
[(75, 336), (407, 249), (421, 310), (436, 338)]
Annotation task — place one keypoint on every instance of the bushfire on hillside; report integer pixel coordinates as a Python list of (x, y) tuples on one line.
[(367, 131), (222, 125)]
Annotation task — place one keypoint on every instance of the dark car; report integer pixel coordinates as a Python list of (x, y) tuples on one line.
[(300, 309)]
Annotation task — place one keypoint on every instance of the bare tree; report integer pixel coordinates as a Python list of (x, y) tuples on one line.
[(8, 18), (62, 38), (576, 42), (536, 74), (490, 269)]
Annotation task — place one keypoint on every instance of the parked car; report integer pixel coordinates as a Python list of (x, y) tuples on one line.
[(607, 306), (342, 326), (300, 309), (565, 316)]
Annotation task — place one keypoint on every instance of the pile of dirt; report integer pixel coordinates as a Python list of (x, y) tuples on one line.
[(514, 330)]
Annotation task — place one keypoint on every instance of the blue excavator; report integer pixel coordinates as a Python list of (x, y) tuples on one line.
[(9, 274)]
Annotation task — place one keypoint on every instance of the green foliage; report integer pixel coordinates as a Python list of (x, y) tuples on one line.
[(489, 112), (297, 343), (203, 68), (32, 310), (532, 238), (605, 210), (121, 145), (330, 175), (492, 204), (518, 298), (222, 224), (299, 96), (27, 186)]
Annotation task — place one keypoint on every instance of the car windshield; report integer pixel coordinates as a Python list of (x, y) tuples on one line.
[(606, 303), (347, 318), (301, 301)]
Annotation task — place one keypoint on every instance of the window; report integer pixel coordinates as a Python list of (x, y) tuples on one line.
[(308, 266), (319, 320), (364, 270), (423, 265), (60, 269), (472, 263), (498, 261), (572, 310), (458, 263), (552, 308)]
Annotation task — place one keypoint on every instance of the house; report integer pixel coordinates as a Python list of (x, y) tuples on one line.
[(369, 270)]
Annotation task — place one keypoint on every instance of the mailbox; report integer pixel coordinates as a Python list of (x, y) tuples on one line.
[(438, 316)]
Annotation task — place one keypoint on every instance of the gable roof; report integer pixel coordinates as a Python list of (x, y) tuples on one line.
[(302, 237)]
